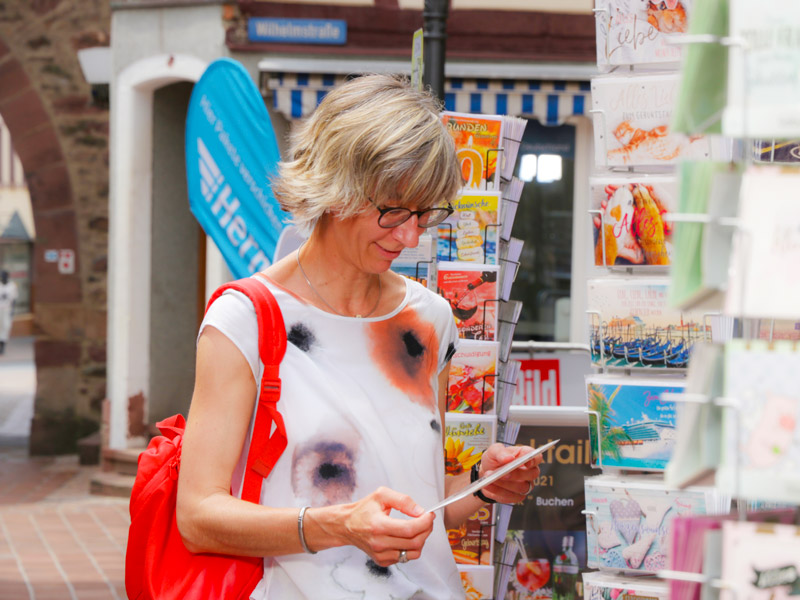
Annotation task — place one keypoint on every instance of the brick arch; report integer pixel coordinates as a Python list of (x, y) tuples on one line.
[(37, 144)]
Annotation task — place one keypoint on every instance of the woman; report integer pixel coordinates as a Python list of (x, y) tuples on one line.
[(364, 375)]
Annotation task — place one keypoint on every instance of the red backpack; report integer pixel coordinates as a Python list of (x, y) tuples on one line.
[(157, 564)]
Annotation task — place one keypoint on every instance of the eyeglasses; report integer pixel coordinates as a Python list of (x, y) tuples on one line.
[(394, 216)]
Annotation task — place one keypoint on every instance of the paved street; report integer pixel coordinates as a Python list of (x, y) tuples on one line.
[(56, 540)]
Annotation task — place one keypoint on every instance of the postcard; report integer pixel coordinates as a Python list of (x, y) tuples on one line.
[(630, 32), (416, 263), (630, 425), (629, 520), (599, 585), (629, 218), (478, 581), (478, 139), (472, 291), (632, 122), (471, 233), (633, 325), (764, 379), (473, 378)]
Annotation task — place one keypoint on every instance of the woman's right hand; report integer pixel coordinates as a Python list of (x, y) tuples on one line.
[(369, 526)]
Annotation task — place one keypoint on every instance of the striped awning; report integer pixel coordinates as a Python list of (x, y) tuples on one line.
[(296, 95)]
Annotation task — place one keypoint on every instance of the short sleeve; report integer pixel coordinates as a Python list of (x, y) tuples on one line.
[(449, 337), (235, 317)]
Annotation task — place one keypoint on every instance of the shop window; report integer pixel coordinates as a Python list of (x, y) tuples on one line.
[(546, 165)]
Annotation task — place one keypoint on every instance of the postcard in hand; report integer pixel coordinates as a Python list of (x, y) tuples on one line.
[(765, 380), (472, 379), (466, 438), (470, 234), (629, 521), (631, 32), (633, 325), (632, 127), (471, 290), (636, 427), (478, 142), (629, 222)]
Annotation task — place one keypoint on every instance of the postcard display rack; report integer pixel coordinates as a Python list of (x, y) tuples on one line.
[(471, 260), (726, 430)]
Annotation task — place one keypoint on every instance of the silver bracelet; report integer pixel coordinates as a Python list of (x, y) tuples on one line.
[(300, 533)]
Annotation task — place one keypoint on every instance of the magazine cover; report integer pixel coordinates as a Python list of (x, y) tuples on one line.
[(473, 378), (471, 291), (548, 529), (633, 326), (470, 234), (416, 263), (466, 438), (760, 561), (478, 141), (478, 581), (598, 585), (630, 425), (765, 380), (631, 32), (628, 218), (629, 520), (632, 125)]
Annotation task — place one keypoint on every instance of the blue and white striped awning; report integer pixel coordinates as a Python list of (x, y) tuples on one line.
[(296, 95)]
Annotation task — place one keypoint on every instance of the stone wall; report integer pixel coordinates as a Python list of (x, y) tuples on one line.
[(61, 137)]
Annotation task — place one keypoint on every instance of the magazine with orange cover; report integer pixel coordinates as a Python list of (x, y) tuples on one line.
[(478, 141)]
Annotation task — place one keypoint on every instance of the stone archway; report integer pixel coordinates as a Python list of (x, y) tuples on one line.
[(61, 139)]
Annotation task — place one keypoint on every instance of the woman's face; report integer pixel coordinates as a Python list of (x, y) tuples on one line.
[(370, 246)]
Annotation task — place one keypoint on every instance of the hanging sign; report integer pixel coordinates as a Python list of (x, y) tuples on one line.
[(231, 153)]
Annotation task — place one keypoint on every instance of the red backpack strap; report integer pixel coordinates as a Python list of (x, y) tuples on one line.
[(265, 449)]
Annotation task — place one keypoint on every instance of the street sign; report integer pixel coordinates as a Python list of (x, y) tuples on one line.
[(297, 31)]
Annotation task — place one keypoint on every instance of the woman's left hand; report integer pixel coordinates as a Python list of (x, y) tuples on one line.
[(515, 486)]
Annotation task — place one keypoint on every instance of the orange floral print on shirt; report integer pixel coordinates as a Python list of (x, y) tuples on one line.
[(405, 349)]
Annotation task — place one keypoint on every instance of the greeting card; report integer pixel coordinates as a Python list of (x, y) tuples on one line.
[(630, 425), (598, 585), (633, 326), (473, 378), (478, 581), (472, 292), (764, 379), (416, 263), (629, 521), (470, 234), (629, 217), (632, 122)]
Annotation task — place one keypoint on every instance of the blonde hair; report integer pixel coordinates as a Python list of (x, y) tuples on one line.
[(373, 137)]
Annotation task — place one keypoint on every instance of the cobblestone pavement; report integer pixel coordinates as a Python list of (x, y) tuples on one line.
[(56, 540)]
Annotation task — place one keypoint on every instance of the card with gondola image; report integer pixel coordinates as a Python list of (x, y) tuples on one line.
[(632, 325)]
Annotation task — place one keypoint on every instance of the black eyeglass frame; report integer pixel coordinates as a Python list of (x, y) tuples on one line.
[(387, 209)]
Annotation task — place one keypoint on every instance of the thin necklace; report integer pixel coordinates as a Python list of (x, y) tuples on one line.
[(325, 302)]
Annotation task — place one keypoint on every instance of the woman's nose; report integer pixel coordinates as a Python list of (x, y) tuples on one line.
[(408, 233)]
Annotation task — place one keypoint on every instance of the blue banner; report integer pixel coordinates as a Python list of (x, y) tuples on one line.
[(231, 153)]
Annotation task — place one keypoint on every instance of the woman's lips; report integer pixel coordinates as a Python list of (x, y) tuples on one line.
[(389, 254)]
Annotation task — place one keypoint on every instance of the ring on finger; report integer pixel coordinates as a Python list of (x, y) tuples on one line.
[(403, 557), (530, 488)]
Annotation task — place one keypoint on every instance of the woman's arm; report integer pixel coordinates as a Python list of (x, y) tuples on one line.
[(211, 520), (509, 489)]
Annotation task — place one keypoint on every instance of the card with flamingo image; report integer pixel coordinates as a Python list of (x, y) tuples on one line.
[(632, 325), (630, 425), (478, 139), (629, 220), (632, 116), (629, 520), (599, 585), (633, 32), (764, 379), (473, 378), (471, 233), (466, 438), (472, 291)]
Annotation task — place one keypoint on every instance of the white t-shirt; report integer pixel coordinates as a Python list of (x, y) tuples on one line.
[(360, 401)]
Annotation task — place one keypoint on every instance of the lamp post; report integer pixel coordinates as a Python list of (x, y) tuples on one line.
[(434, 17)]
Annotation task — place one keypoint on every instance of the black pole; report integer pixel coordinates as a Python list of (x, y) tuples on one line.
[(434, 18)]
